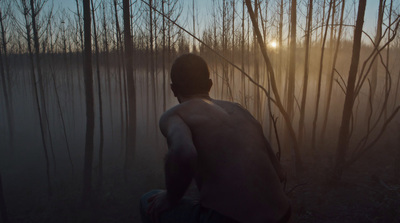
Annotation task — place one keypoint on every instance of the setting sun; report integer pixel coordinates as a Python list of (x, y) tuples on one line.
[(273, 44)]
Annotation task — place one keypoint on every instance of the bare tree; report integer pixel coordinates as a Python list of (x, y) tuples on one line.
[(5, 79), (26, 11), (153, 59), (120, 78), (4, 41), (131, 133), (332, 71), (306, 70), (107, 65), (36, 7), (257, 105), (80, 31), (88, 76), (5, 72), (318, 95), (163, 45), (389, 36), (344, 132), (280, 37), (96, 46), (292, 59), (242, 43), (277, 101), (378, 37)]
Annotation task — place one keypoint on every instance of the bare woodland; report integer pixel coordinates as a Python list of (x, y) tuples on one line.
[(83, 87)]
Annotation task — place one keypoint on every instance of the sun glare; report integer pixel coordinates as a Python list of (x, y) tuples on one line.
[(273, 44)]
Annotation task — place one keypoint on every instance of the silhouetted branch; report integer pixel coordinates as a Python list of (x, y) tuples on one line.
[(215, 52), (274, 120), (370, 145)]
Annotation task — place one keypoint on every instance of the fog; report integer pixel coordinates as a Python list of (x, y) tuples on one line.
[(43, 107)]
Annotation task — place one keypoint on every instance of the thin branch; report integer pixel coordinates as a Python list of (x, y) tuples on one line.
[(369, 146), (215, 52)]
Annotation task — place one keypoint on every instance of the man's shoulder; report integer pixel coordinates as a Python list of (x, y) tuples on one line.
[(176, 111), (235, 104), (170, 112), (183, 107), (168, 118)]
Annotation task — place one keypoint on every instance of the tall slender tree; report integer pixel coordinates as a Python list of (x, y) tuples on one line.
[(306, 70), (378, 37), (344, 132), (88, 77), (292, 59), (242, 43), (163, 58), (278, 102), (280, 43), (131, 133), (36, 7), (107, 65), (332, 71), (28, 36), (5, 80), (121, 75), (257, 100), (318, 94), (96, 46)]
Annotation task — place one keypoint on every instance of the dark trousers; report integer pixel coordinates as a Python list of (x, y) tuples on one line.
[(187, 211)]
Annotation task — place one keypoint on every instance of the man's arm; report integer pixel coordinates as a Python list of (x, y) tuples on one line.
[(181, 158)]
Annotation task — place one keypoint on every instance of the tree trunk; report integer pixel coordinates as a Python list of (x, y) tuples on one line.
[(120, 74), (298, 160), (131, 136), (374, 70), (280, 36), (232, 78), (292, 60), (6, 101), (256, 67), (101, 146), (223, 43), (314, 130), (6, 83), (306, 70), (107, 65), (42, 94), (344, 132), (194, 27), (154, 71), (242, 55), (163, 59), (330, 81), (88, 77), (79, 53), (388, 47), (39, 93)]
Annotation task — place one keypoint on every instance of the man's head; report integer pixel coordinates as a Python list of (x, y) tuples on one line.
[(190, 76)]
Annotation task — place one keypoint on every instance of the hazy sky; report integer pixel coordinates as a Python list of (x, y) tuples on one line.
[(204, 8)]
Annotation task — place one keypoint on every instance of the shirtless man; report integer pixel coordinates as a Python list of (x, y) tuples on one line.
[(222, 147)]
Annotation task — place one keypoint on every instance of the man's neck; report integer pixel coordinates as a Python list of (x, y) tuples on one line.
[(182, 99)]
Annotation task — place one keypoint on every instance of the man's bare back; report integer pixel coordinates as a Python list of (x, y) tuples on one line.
[(234, 172), (222, 147)]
